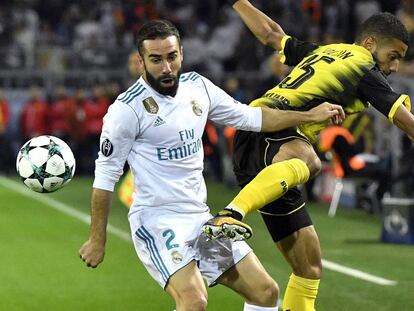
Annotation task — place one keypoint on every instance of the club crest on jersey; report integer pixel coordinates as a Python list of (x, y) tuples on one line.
[(196, 108), (176, 257), (150, 105), (107, 148)]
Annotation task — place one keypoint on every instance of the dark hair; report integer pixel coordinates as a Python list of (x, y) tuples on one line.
[(383, 26), (155, 29)]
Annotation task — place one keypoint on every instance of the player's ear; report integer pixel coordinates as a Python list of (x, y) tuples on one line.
[(140, 61), (370, 43)]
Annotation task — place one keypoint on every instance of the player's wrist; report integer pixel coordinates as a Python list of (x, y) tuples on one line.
[(97, 237), (98, 243), (310, 116)]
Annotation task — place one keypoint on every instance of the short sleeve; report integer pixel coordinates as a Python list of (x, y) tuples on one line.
[(375, 89), (294, 50)]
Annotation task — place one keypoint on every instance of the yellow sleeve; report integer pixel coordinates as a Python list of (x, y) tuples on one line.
[(402, 100), (282, 49)]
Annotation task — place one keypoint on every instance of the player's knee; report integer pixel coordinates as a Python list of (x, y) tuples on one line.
[(309, 271), (265, 294), (314, 271), (312, 161), (191, 300)]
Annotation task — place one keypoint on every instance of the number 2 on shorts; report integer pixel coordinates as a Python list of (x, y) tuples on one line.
[(171, 235)]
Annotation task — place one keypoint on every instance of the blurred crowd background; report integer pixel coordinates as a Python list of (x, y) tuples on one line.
[(62, 63)]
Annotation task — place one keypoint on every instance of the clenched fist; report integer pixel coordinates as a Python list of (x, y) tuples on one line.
[(92, 253)]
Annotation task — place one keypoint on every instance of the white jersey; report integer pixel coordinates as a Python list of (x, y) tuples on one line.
[(160, 137)]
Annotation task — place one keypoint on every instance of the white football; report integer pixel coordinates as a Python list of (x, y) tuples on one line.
[(45, 163)]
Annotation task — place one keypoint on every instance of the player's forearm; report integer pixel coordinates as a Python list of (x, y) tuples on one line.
[(263, 27), (405, 121), (274, 120), (100, 206)]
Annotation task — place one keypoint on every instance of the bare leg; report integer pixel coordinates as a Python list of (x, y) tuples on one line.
[(252, 282), (187, 288), (302, 248), (302, 251)]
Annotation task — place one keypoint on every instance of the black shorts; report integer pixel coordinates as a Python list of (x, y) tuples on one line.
[(252, 153)]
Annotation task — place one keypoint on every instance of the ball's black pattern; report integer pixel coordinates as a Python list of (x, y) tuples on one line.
[(38, 155)]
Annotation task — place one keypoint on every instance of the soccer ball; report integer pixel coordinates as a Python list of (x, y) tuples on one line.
[(45, 163)]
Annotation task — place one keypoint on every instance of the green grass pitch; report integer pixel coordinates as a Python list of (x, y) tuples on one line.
[(40, 268)]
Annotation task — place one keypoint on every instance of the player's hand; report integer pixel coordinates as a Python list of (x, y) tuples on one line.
[(327, 111), (92, 253)]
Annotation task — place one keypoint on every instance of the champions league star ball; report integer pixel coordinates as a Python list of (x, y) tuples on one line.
[(45, 163)]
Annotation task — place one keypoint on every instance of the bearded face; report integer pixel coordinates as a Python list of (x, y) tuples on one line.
[(162, 61), (166, 84)]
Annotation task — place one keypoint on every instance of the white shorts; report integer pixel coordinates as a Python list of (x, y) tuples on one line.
[(166, 241)]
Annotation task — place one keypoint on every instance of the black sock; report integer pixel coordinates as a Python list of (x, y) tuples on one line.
[(230, 213)]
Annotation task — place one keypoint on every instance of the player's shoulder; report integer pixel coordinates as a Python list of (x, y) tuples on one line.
[(136, 97), (190, 77), (127, 100), (132, 93), (347, 51), (195, 82)]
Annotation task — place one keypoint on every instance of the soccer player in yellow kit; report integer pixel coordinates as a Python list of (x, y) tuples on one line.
[(269, 166)]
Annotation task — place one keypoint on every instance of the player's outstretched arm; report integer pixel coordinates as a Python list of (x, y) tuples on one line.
[(404, 119), (263, 27), (93, 250), (274, 120)]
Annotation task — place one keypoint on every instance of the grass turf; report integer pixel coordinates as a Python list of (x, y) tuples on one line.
[(40, 268)]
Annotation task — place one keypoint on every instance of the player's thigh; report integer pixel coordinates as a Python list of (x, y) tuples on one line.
[(187, 284), (302, 250), (165, 240), (250, 279), (300, 149)]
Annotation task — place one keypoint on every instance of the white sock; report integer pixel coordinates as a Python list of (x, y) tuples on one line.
[(248, 307)]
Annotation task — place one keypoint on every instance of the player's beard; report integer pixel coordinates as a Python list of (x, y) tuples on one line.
[(386, 73), (156, 83)]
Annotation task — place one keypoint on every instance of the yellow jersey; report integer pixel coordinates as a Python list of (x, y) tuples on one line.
[(345, 74)]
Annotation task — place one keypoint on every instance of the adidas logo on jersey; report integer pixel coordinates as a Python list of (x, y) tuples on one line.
[(159, 121)]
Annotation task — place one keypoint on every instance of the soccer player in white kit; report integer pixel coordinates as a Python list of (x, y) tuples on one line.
[(157, 125)]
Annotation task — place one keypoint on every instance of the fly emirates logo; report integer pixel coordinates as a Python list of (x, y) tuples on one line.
[(189, 145)]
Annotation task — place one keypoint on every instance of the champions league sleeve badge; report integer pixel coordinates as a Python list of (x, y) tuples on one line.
[(107, 148), (196, 108)]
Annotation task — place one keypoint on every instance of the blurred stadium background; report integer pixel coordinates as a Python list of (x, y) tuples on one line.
[(62, 63)]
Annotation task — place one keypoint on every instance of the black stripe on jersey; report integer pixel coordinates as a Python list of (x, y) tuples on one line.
[(311, 104), (278, 104), (295, 50), (343, 98)]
